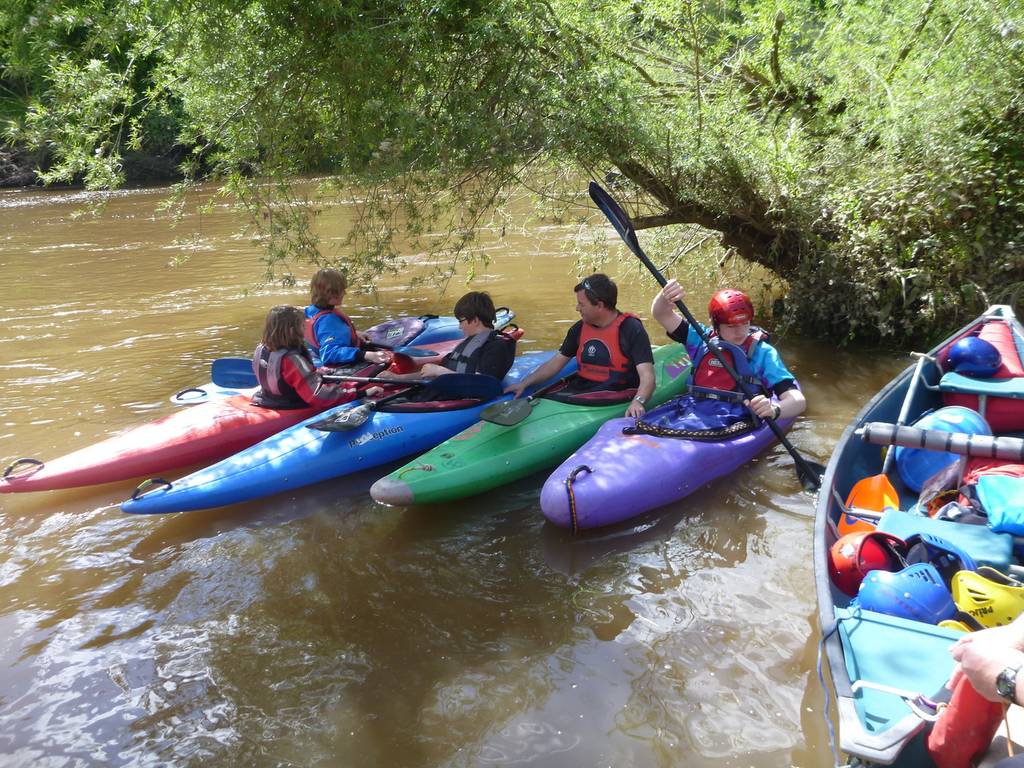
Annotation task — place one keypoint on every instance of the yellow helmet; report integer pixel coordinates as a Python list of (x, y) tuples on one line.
[(991, 597)]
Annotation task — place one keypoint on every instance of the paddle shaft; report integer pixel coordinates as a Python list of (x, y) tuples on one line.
[(628, 234), (371, 380), (905, 409)]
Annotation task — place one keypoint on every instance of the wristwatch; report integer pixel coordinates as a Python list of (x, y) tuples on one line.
[(776, 411), (1006, 683), (641, 400)]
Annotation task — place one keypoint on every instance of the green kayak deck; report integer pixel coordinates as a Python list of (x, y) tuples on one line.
[(485, 455)]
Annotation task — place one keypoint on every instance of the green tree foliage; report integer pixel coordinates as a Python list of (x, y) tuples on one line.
[(869, 153)]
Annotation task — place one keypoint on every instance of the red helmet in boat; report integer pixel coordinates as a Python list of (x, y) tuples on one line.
[(855, 554), (730, 307)]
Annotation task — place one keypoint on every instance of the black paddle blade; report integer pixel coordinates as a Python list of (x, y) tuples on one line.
[(809, 473), (616, 216), (508, 412), (346, 420)]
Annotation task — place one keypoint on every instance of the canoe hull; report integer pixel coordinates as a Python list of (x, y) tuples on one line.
[(865, 649)]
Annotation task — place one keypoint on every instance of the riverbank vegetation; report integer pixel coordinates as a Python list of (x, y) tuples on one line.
[(870, 154)]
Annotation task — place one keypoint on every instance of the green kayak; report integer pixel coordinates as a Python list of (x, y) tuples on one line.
[(487, 455)]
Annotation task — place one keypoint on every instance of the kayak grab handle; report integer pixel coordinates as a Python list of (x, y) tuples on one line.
[(27, 462), (572, 496), (179, 395), (145, 485)]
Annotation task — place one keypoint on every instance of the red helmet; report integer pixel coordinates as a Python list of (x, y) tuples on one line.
[(854, 554), (730, 307)]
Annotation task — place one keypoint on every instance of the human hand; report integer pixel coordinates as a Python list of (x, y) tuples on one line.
[(377, 357), (635, 410), (373, 392), (762, 407), (980, 661), (516, 390), (672, 292)]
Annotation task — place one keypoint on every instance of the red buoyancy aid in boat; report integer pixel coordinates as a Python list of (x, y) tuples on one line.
[(709, 373), (965, 728), (599, 355), (310, 331)]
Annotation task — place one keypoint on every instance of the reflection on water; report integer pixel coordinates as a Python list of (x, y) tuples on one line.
[(319, 628)]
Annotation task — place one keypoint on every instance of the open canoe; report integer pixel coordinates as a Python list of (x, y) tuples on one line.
[(887, 658)]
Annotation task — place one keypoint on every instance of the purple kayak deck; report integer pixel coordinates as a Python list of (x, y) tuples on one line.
[(632, 474)]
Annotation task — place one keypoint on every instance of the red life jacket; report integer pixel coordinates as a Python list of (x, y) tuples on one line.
[(599, 355), (709, 372), (310, 331)]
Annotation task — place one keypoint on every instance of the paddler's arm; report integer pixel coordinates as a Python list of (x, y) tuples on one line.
[(663, 306), (981, 656), (791, 404), (637, 406), (540, 373)]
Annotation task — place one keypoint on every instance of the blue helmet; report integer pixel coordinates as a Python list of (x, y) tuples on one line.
[(946, 556), (973, 356), (916, 593)]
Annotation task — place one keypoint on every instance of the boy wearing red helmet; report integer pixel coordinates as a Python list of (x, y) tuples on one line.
[(731, 312)]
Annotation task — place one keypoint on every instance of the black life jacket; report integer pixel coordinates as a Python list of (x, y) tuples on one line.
[(274, 391), (465, 358)]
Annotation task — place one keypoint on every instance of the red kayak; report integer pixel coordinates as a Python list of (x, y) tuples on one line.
[(201, 434)]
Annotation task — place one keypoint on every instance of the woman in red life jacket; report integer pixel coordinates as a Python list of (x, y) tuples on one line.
[(286, 374), (612, 348), (330, 335), (745, 346), (483, 350)]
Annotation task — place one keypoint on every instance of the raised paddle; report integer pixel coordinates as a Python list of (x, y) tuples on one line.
[(808, 472), (451, 386), (877, 492)]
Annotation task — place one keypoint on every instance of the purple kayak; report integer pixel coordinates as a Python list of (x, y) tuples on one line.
[(617, 476)]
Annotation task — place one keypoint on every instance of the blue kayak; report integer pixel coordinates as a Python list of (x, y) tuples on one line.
[(301, 455), (400, 332)]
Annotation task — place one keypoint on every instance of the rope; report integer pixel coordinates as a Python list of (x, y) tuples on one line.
[(657, 430), (1006, 724), (572, 496)]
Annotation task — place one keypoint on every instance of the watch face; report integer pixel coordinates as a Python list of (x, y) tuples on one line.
[(1006, 683)]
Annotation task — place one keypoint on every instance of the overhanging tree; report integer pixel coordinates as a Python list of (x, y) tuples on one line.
[(870, 154)]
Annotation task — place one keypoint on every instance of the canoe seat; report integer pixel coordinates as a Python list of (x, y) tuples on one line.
[(965, 385)]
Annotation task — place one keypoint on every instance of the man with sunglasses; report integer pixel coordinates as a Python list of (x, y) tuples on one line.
[(612, 348)]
